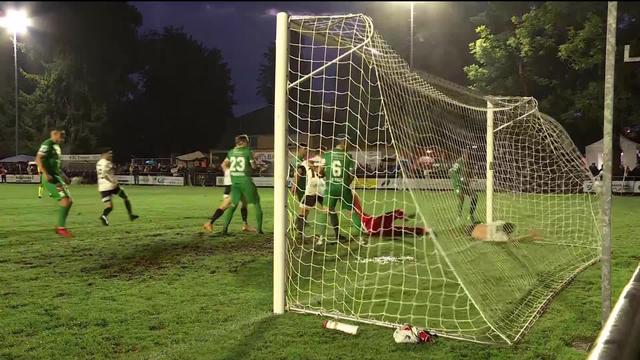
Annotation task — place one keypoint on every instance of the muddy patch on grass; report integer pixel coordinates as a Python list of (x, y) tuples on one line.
[(582, 344), (155, 255)]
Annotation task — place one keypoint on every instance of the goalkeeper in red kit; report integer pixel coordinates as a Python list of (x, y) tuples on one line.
[(382, 225)]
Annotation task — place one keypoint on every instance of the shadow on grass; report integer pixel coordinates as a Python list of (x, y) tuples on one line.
[(154, 253), (243, 349)]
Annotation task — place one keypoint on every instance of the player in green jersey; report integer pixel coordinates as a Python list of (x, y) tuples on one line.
[(339, 171), (48, 160), (241, 162), (460, 174)]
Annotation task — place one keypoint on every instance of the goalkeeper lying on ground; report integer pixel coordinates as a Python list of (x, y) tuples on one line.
[(504, 232), (382, 225)]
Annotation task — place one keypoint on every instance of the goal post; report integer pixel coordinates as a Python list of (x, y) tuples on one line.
[(280, 163), (607, 145), (489, 196), (398, 169)]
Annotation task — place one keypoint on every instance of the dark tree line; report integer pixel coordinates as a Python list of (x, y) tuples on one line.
[(86, 67), (554, 51)]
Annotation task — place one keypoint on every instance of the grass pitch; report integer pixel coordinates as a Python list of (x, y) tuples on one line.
[(158, 288)]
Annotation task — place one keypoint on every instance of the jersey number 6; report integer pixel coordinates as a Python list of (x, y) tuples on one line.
[(336, 168)]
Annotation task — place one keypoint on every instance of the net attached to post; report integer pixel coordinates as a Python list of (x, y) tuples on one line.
[(416, 246)]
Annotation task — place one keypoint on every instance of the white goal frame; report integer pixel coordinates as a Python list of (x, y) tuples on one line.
[(280, 162), (494, 105)]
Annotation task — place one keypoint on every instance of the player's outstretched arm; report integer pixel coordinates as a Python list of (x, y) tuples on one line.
[(531, 235)]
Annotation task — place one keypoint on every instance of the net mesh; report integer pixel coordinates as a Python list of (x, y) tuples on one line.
[(415, 247)]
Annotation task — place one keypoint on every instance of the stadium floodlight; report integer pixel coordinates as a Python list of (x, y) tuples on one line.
[(16, 22), (329, 82)]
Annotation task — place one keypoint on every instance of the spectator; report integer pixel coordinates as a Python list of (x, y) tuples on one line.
[(135, 172), (594, 169), (3, 174)]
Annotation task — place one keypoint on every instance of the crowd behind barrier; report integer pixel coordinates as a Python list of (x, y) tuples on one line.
[(203, 173)]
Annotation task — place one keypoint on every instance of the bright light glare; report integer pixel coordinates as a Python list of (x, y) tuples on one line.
[(16, 21)]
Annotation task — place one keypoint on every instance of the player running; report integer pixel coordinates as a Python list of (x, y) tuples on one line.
[(339, 171), (48, 160), (226, 203), (313, 192), (241, 162), (108, 186), (460, 174)]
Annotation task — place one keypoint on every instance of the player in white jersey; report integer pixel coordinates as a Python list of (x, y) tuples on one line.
[(108, 186), (226, 182), (226, 203), (313, 192)]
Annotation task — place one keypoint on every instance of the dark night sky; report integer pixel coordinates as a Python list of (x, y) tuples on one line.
[(242, 30)]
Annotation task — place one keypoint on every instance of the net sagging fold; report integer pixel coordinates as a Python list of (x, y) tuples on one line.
[(405, 131)]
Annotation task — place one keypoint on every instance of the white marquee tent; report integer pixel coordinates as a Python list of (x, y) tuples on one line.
[(629, 152), (187, 160)]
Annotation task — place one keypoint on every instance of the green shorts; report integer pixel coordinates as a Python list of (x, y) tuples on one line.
[(248, 190), (56, 191), (334, 192)]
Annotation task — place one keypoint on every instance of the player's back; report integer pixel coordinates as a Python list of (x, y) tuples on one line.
[(338, 167), (240, 169), (51, 156), (104, 171), (315, 185)]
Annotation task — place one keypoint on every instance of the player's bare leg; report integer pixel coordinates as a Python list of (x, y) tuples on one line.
[(108, 208), (245, 215), (473, 197), (300, 221), (127, 204), (335, 223), (460, 204), (320, 239), (224, 205)]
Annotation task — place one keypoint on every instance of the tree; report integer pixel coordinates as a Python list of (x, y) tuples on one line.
[(184, 96), (7, 119), (554, 51), (441, 32), (80, 56), (267, 73)]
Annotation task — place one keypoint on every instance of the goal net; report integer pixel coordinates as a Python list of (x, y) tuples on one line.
[(462, 213)]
